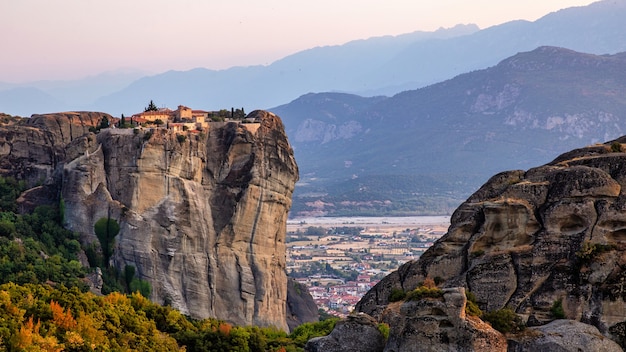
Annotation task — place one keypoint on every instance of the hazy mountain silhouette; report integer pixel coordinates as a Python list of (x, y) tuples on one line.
[(22, 101), (324, 68), (385, 65), (51, 96), (377, 66), (522, 112)]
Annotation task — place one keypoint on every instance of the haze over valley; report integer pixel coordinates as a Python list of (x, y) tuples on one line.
[(341, 141), (286, 177)]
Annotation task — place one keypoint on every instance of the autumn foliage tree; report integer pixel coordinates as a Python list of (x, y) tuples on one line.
[(45, 306)]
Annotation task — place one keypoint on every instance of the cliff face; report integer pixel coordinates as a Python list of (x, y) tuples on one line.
[(202, 215), (32, 149), (527, 240), (301, 307)]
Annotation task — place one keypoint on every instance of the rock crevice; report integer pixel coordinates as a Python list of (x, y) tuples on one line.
[(202, 218)]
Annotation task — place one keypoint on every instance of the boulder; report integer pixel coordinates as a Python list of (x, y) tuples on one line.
[(439, 324), (563, 336), (356, 333), (301, 307)]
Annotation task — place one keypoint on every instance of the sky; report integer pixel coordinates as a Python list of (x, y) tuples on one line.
[(72, 39)]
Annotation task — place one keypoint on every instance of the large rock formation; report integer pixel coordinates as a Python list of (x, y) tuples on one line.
[(424, 324), (439, 325), (202, 215), (32, 149), (562, 336), (534, 240), (301, 308), (357, 333)]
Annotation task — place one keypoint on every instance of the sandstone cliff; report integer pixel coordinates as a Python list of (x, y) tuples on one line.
[(530, 240), (202, 215), (32, 149)]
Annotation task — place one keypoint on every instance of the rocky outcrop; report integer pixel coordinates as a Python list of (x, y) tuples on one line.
[(424, 324), (301, 307), (562, 336), (432, 324), (33, 149), (357, 333), (532, 240), (202, 215)]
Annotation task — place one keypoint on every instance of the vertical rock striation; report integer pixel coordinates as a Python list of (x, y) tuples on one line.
[(202, 215)]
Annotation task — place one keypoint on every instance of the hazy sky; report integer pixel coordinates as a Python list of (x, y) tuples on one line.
[(68, 39)]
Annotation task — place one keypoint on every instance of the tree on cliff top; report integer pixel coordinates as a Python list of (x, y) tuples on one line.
[(151, 107)]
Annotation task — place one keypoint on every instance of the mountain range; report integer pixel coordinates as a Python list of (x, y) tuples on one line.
[(426, 147), (436, 144), (375, 66)]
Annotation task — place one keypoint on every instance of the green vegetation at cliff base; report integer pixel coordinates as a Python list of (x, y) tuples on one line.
[(42, 317), (45, 306)]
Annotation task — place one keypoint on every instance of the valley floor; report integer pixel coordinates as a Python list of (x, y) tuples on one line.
[(340, 259)]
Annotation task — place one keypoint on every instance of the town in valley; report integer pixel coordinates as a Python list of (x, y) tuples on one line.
[(340, 259)]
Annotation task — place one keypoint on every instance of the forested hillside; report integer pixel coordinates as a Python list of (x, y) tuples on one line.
[(45, 303), (40, 317)]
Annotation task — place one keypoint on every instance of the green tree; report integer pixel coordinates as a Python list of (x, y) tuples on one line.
[(104, 123), (307, 331), (397, 294), (10, 190), (151, 107), (62, 210), (557, 309), (129, 275), (141, 286), (471, 307), (106, 229), (616, 147), (504, 320), (315, 231)]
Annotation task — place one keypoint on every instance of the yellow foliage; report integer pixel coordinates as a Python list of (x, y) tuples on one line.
[(28, 339), (73, 339), (7, 307), (89, 329), (61, 318), (139, 300), (429, 283), (117, 299), (24, 337)]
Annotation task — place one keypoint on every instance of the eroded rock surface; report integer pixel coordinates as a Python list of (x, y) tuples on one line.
[(563, 336), (32, 149), (439, 325), (529, 239), (202, 215), (356, 333), (415, 325)]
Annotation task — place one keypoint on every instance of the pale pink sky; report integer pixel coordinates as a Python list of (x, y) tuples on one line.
[(69, 39)]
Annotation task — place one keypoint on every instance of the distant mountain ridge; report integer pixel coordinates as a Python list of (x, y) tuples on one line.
[(383, 66), (50, 96), (376, 66), (522, 112)]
